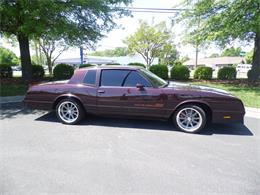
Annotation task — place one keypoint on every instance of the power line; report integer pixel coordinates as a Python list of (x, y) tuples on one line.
[(154, 9), (157, 12)]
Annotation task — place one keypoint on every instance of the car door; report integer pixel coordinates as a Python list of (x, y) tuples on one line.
[(142, 98), (110, 93)]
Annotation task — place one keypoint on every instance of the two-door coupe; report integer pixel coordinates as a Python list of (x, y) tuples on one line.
[(126, 91)]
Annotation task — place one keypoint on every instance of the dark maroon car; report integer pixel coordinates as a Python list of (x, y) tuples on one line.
[(135, 92)]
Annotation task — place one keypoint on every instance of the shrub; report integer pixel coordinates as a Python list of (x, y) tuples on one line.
[(136, 64), (85, 65), (180, 72), (63, 71), (6, 71), (227, 73), (37, 72), (160, 70), (203, 73)]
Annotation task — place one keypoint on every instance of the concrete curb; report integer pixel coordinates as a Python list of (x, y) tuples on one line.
[(11, 99)]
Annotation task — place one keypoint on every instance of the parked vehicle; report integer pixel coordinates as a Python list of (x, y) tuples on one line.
[(134, 92), (243, 68)]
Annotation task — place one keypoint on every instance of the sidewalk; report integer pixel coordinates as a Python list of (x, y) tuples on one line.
[(250, 112)]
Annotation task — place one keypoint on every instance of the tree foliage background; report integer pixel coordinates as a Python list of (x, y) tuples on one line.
[(225, 21), (150, 41), (78, 22)]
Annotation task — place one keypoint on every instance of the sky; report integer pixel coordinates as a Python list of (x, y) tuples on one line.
[(128, 26)]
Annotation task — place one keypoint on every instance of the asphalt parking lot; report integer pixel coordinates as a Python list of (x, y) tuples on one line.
[(124, 156)]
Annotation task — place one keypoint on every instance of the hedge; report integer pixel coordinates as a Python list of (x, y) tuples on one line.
[(6, 71), (180, 72), (37, 72), (227, 73), (204, 73), (160, 70), (136, 64), (63, 71), (113, 64)]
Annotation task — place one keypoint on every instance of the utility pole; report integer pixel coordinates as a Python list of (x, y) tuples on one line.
[(197, 47), (196, 57), (81, 55)]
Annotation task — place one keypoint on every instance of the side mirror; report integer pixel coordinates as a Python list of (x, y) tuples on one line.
[(140, 86)]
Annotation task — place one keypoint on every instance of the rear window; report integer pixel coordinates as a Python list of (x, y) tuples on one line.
[(90, 77), (113, 77)]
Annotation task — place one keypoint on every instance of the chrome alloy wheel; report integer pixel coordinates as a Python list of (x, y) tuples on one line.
[(68, 112), (189, 119)]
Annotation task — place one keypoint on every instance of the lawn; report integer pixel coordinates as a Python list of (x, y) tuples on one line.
[(249, 95), (12, 90)]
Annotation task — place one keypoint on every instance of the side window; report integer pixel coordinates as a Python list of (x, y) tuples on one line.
[(90, 77), (113, 77), (135, 78)]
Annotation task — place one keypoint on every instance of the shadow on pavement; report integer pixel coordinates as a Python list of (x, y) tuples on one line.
[(225, 129), (12, 110)]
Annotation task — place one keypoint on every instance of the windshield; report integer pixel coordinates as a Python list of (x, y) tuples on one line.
[(155, 80)]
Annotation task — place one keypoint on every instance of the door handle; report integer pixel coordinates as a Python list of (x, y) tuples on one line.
[(101, 91)]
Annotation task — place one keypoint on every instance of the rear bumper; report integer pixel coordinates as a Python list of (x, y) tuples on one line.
[(228, 117)]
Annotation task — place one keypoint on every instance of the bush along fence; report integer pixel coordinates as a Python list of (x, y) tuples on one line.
[(160, 70)]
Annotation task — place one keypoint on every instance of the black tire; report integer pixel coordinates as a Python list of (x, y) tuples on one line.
[(197, 111), (77, 119)]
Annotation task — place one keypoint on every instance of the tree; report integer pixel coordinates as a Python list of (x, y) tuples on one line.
[(52, 49), (149, 41), (232, 52), (78, 22), (225, 21), (169, 55), (214, 55), (117, 52), (8, 57)]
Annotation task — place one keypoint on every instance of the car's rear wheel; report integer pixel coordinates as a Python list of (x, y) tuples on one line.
[(190, 118), (69, 111)]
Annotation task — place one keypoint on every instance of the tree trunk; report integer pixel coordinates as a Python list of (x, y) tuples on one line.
[(49, 63), (25, 58), (256, 60)]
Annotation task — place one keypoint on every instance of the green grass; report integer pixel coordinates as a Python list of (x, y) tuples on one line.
[(249, 95), (12, 90)]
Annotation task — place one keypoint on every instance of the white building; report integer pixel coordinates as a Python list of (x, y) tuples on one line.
[(123, 60), (215, 63)]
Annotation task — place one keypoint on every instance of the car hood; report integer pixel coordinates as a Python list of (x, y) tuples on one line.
[(190, 87)]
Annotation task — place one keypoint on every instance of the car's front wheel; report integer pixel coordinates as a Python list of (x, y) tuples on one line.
[(190, 118), (69, 111)]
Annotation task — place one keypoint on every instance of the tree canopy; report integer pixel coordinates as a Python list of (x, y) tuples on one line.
[(232, 52), (223, 22), (79, 22), (8, 57), (150, 41)]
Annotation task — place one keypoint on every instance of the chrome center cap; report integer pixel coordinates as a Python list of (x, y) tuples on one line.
[(189, 118), (69, 111)]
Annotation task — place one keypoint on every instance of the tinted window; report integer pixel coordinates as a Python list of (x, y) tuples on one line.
[(135, 78), (90, 77), (113, 77), (156, 81)]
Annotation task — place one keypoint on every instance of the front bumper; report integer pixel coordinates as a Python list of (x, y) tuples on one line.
[(228, 117)]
